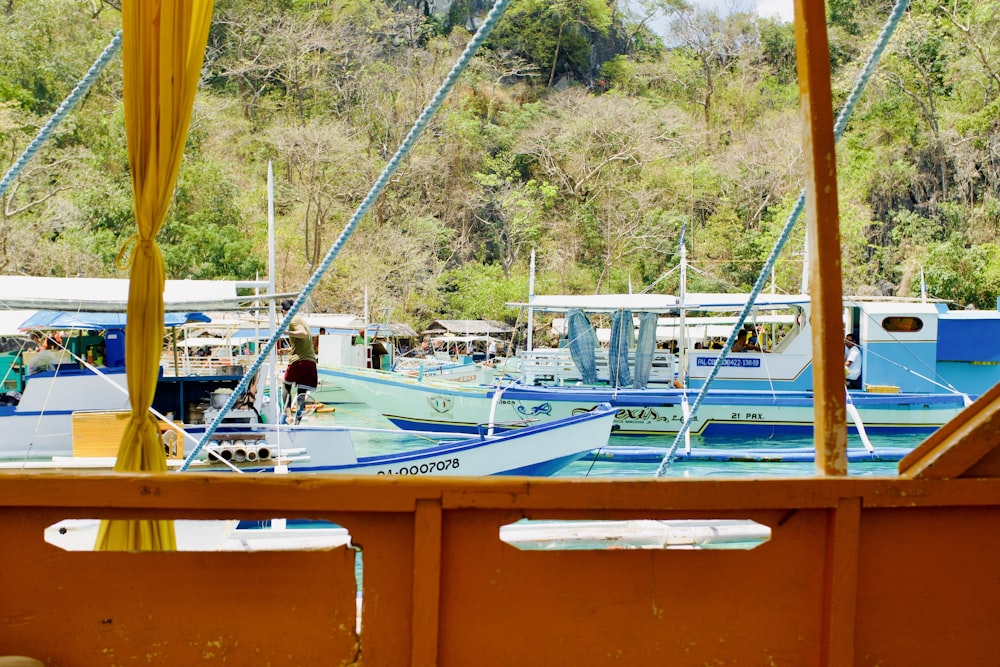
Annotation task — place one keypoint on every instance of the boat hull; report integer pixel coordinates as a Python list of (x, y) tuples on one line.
[(425, 405), (539, 450)]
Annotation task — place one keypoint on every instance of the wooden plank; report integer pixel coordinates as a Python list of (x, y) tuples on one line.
[(789, 601), (966, 445), (823, 235), (426, 582), (99, 433), (840, 588)]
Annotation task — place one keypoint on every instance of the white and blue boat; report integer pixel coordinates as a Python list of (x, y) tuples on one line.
[(538, 450), (72, 414), (918, 370)]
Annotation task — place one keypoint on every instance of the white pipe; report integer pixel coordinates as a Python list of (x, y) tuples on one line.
[(852, 410), (493, 407)]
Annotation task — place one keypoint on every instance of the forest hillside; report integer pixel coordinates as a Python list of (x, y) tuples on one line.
[(576, 134)]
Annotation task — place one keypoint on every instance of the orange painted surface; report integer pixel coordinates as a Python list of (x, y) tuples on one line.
[(867, 571), (964, 447)]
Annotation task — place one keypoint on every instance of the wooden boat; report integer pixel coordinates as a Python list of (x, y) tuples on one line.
[(916, 374), (38, 419), (336, 351)]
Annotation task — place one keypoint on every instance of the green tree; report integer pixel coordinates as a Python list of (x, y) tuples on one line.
[(716, 43), (553, 35), (964, 275), (480, 292)]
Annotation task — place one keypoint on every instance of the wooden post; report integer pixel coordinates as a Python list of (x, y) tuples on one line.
[(822, 224)]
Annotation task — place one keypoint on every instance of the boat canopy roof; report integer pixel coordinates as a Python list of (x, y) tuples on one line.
[(333, 321), (50, 319), (736, 301), (10, 321), (111, 294), (372, 331), (656, 303), (599, 303)]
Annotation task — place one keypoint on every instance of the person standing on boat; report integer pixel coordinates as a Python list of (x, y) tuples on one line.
[(852, 362), (301, 371)]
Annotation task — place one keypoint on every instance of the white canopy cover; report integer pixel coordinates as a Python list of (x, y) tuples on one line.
[(111, 294)]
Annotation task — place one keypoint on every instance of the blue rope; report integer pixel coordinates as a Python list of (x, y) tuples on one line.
[(418, 127), (786, 232), (81, 89)]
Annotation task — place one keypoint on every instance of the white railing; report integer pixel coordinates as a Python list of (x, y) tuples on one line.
[(556, 366), (211, 365)]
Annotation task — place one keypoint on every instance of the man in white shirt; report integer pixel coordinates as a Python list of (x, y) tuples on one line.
[(852, 360)]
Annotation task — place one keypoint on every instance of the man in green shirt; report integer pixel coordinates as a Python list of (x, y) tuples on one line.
[(301, 371)]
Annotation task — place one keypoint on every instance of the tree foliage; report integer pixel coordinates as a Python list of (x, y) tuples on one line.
[(577, 133)]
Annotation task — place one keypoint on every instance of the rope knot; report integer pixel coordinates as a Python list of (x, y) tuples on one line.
[(133, 245)]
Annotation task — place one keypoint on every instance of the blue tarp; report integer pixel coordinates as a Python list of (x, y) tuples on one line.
[(622, 340), (644, 349), (53, 319), (582, 343)]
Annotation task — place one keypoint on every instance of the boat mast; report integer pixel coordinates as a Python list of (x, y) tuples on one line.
[(682, 341), (272, 410), (531, 296)]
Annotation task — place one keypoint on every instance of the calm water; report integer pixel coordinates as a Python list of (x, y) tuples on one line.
[(357, 414)]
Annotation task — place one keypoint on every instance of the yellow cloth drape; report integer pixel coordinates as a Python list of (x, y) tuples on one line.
[(163, 46)]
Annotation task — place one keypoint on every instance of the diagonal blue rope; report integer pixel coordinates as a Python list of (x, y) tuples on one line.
[(81, 89), (404, 148), (786, 232)]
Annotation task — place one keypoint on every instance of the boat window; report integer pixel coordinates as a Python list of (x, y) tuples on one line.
[(902, 324), (220, 535), (554, 535)]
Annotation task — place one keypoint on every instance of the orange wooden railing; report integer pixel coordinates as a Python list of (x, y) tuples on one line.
[(857, 571)]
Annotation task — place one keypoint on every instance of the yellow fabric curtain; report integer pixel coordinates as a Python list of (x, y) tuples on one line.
[(163, 46)]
